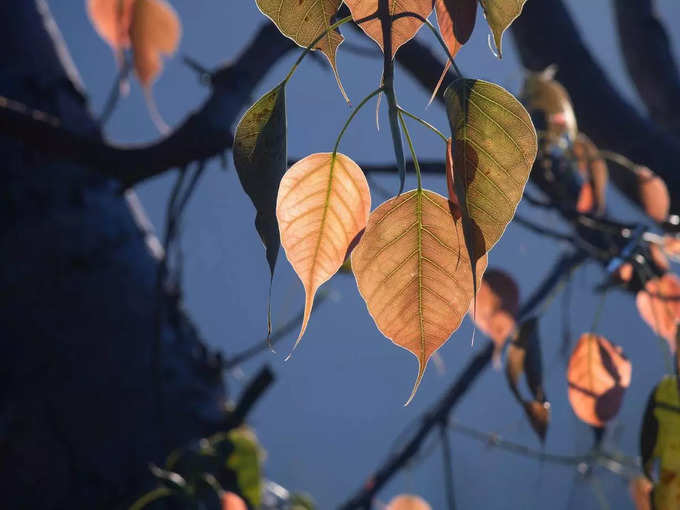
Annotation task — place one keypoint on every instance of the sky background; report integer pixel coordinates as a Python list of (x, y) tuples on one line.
[(336, 407)]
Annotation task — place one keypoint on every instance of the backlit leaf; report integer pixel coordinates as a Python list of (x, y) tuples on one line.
[(653, 194), (413, 271), (408, 502), (494, 148), (659, 306), (593, 170), (403, 28), (323, 204), (499, 15), (112, 19), (231, 501), (244, 460), (260, 161), (497, 303), (598, 374), (303, 21), (640, 492)]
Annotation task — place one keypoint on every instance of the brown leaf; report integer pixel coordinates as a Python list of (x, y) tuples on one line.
[(111, 19), (671, 246), (323, 203), (403, 28), (541, 93), (598, 374), (414, 273), (408, 502), (653, 194), (497, 303), (659, 306), (640, 492), (593, 170), (231, 501)]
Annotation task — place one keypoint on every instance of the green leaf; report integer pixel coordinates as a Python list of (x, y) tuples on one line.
[(260, 161), (305, 20), (499, 15), (244, 460), (494, 148)]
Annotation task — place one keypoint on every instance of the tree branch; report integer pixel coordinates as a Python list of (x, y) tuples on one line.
[(646, 50)]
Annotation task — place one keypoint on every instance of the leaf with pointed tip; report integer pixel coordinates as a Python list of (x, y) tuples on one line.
[(323, 204), (598, 375), (413, 271), (260, 161), (304, 21), (404, 28), (494, 148), (408, 502), (499, 15)]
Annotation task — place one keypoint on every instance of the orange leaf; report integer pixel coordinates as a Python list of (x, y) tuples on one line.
[(408, 502), (403, 28), (111, 19), (640, 492), (231, 501), (155, 30), (671, 246), (653, 194), (497, 302), (414, 272), (598, 374), (659, 306), (321, 207)]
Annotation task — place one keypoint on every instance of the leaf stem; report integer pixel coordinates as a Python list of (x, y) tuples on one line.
[(424, 123), (352, 115), (412, 149)]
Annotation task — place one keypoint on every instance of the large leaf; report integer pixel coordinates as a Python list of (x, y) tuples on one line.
[(659, 306), (524, 357), (260, 161), (323, 203), (304, 21), (499, 15), (494, 148), (408, 502), (403, 28), (413, 271), (598, 375)]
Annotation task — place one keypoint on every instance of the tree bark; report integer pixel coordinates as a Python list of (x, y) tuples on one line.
[(79, 415)]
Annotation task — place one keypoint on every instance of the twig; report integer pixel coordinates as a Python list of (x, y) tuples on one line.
[(255, 389)]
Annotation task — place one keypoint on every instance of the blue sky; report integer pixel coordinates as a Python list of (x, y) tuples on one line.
[(337, 404)]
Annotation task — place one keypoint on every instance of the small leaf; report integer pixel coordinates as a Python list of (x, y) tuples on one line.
[(260, 161), (244, 461), (112, 19), (494, 148), (403, 28), (659, 306), (593, 170), (497, 304), (408, 502), (231, 501), (653, 194), (499, 15), (413, 271), (303, 21), (598, 374), (541, 93), (323, 204), (640, 492)]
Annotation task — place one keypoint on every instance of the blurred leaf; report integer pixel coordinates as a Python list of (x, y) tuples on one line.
[(403, 29), (301, 501), (244, 460), (413, 271), (598, 374), (653, 194), (169, 478), (659, 306), (497, 304), (640, 492), (593, 170), (408, 502), (111, 19), (542, 93), (499, 15), (304, 21), (231, 501), (320, 219)]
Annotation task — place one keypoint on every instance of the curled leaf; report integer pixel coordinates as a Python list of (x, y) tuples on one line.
[(304, 21), (323, 204), (653, 194), (231, 501), (408, 502), (413, 271), (403, 29), (598, 375), (499, 15), (659, 306), (497, 304)]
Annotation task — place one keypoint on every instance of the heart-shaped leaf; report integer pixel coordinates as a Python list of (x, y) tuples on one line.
[(598, 375), (260, 161), (304, 21), (323, 204), (413, 271), (499, 15), (404, 28), (408, 502)]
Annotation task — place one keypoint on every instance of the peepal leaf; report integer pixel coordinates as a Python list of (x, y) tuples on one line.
[(413, 271), (494, 148), (260, 161), (403, 28), (499, 15), (323, 204), (598, 374), (304, 21)]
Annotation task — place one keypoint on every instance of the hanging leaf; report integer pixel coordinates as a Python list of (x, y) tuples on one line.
[(413, 271), (231, 501), (497, 304), (244, 460), (304, 21), (408, 502), (499, 15), (323, 204), (494, 148), (660, 442), (653, 194), (659, 306), (641, 492), (403, 28), (593, 170), (598, 374), (260, 161), (524, 357), (111, 20)]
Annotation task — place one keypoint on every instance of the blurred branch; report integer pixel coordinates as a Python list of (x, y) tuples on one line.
[(255, 389)]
